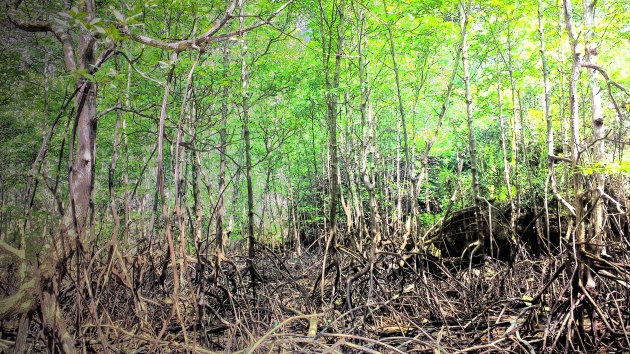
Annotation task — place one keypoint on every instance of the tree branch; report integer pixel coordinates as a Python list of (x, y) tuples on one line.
[(558, 158), (208, 36), (160, 83), (60, 32), (29, 26), (559, 198), (611, 199), (604, 74), (182, 45), (104, 112), (609, 83)]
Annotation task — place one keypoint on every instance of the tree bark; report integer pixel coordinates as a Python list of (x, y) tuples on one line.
[(547, 117), (506, 164), (220, 236), (470, 119), (332, 84), (516, 128), (409, 165), (162, 194), (248, 160), (580, 242), (80, 160), (595, 237)]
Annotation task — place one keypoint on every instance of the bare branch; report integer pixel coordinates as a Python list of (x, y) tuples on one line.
[(209, 36), (604, 74), (558, 158), (569, 207), (160, 83), (110, 109), (182, 45), (609, 83), (611, 199)]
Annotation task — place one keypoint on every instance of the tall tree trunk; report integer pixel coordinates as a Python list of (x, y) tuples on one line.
[(367, 159), (353, 216), (248, 161), (368, 147), (440, 120), (126, 148), (180, 190), (82, 175), (516, 128), (332, 83), (112, 172), (220, 236), (585, 275), (162, 194), (506, 164), (471, 132), (596, 232), (565, 140), (399, 191), (81, 166), (547, 118), (411, 225), (332, 126), (198, 205)]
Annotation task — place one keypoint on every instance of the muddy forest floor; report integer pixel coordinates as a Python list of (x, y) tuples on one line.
[(406, 302)]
